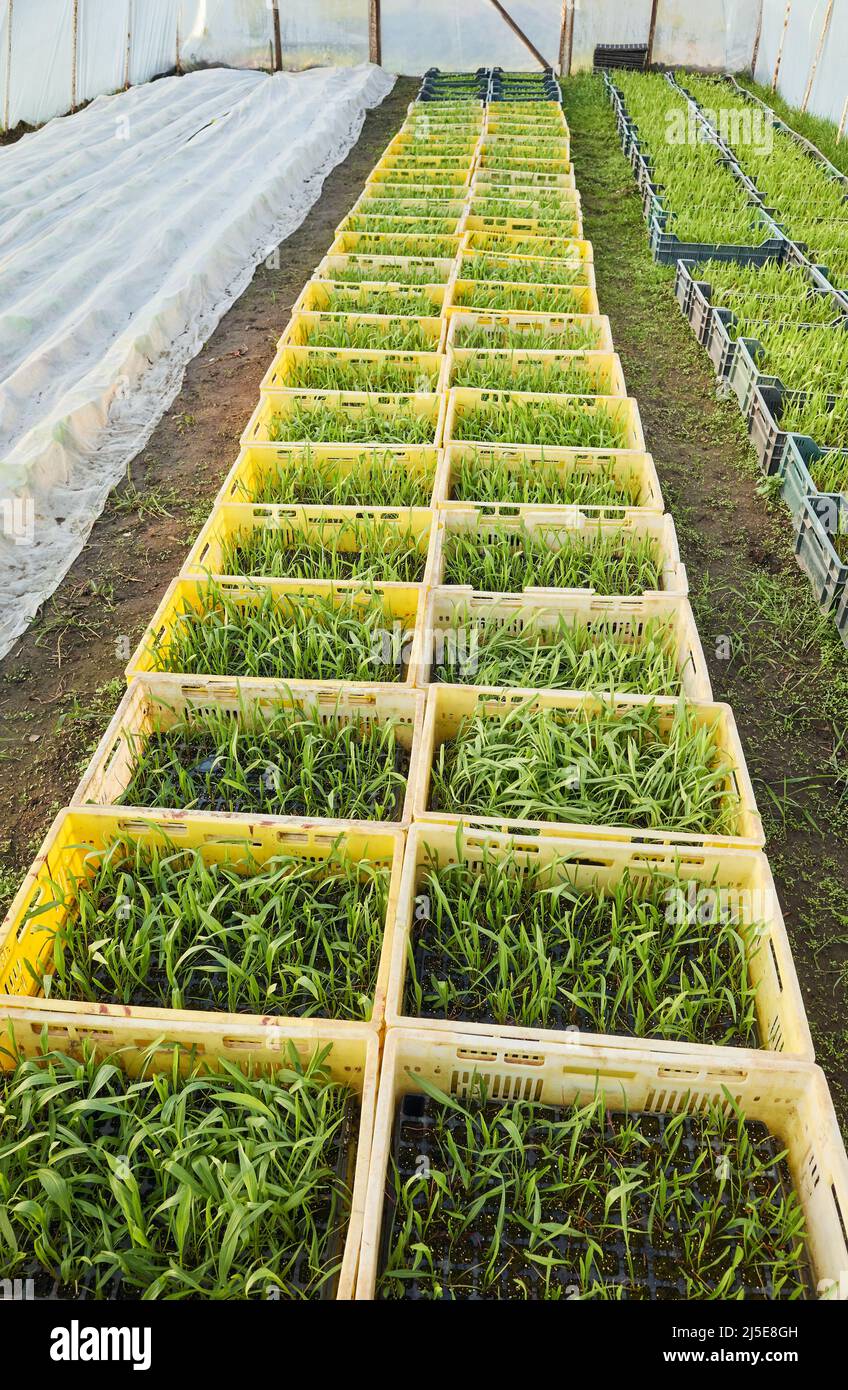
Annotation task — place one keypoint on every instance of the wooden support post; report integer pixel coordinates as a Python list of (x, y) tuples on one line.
[(179, 63), (652, 29), (7, 102), (566, 38), (74, 54), (822, 36), (375, 32), (842, 121), (756, 49), (780, 45), (520, 34), (129, 44), (278, 39)]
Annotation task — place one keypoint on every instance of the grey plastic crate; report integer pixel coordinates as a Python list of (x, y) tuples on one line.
[(816, 555), (798, 485)]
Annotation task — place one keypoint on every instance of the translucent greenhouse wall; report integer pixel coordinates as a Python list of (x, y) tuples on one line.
[(130, 41)]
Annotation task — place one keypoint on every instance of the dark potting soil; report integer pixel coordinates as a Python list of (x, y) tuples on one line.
[(203, 763), (648, 1266)]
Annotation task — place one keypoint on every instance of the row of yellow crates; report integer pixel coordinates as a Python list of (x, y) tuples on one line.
[(789, 1099)]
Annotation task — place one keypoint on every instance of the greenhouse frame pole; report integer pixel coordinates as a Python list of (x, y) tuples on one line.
[(375, 32), (6, 104), (827, 14), (780, 45)]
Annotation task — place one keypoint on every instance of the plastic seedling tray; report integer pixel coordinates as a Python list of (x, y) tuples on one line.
[(739, 878), (557, 327), (253, 476), (402, 607), (462, 400), (352, 1058), (294, 524), (816, 553), (273, 404), (449, 705), (154, 703), (790, 1099), (633, 470), (80, 835), (626, 619)]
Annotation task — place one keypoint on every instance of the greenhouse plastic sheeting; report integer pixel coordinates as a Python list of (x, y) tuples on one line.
[(803, 32), (445, 34), (326, 31), (710, 34), (234, 33), (126, 231)]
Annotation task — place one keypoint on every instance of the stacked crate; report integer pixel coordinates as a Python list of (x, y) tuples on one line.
[(394, 432)]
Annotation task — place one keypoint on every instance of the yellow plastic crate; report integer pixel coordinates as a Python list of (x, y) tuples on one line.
[(440, 270), (496, 523), (376, 224), (739, 877), (436, 177), (583, 298), (462, 399), (449, 705), (402, 604), (353, 1059), (533, 149), (436, 164), (505, 245), (424, 371), (258, 465), (792, 1099), (570, 224), (427, 404), (526, 117), (604, 367), (492, 159), (521, 178), (319, 524), (629, 468), (154, 702), (408, 142), (26, 946), (369, 204), (304, 326), (624, 618), (317, 296), (380, 244), (553, 325)]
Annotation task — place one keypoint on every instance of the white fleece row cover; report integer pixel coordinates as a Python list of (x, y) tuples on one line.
[(126, 232)]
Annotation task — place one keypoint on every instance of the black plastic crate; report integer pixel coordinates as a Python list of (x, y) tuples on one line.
[(620, 55)]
